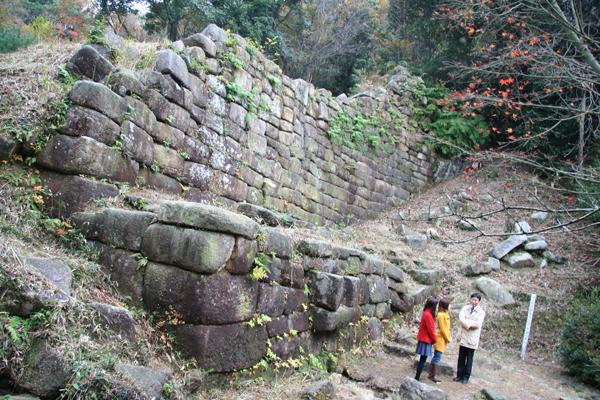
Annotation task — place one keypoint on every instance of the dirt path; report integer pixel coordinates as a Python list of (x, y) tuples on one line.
[(504, 374)]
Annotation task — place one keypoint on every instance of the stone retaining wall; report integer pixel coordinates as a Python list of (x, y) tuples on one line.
[(195, 265), (217, 118)]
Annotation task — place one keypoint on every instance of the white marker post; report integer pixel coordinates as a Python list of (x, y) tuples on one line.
[(528, 326)]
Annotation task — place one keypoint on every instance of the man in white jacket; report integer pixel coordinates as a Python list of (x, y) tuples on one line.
[(471, 320)]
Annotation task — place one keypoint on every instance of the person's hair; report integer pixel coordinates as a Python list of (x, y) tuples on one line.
[(431, 304), (476, 294), (444, 303)]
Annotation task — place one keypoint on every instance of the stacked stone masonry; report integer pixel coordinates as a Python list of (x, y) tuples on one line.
[(195, 265), (218, 118)]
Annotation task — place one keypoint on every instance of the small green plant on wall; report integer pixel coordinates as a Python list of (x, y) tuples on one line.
[(261, 267)]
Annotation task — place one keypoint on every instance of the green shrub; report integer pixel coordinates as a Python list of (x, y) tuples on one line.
[(13, 38), (581, 338), (453, 132)]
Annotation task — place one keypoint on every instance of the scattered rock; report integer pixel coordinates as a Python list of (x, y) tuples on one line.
[(417, 241), (8, 147), (464, 196), (538, 245), (474, 269), (322, 390), (56, 271), (467, 225), (486, 198), (521, 260), (44, 370), (539, 216), (117, 319), (494, 263), (522, 227), (508, 245), (411, 389), (88, 62), (433, 234), (405, 337), (490, 394), (543, 263), (554, 258), (494, 291), (399, 349), (146, 380)]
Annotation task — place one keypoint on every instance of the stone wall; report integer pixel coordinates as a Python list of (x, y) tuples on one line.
[(195, 265), (213, 118)]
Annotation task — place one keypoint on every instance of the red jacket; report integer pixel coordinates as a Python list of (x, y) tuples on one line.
[(427, 328)]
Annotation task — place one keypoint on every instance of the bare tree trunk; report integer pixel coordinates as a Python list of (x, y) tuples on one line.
[(582, 130)]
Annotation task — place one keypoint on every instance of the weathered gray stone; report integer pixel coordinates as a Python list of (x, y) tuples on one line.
[(222, 348), (521, 260), (140, 114), (522, 227), (85, 122), (202, 41), (199, 299), (395, 273), (378, 289), (125, 271), (45, 371), (315, 248), (203, 216), (554, 258), (279, 244), (125, 83), (169, 62), (411, 389), (88, 62), (8, 147), (493, 263), (327, 321), (479, 268), (100, 98), (122, 228), (322, 390), (494, 291), (218, 35), (56, 271), (417, 241), (242, 258), (508, 245), (197, 251), (117, 319), (259, 214), (490, 394), (351, 293), (467, 225), (145, 380), (539, 216), (327, 290), (425, 276), (83, 155), (537, 245)]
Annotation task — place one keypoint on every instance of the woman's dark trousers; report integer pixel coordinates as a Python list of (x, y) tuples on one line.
[(465, 363), (420, 367)]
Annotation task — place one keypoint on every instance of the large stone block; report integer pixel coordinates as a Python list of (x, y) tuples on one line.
[(197, 251), (45, 370), (271, 299), (203, 216), (296, 300), (378, 289), (125, 271), (242, 258), (123, 228), (125, 83), (279, 244), (170, 113), (86, 122), (327, 290), (168, 160), (8, 147), (199, 299), (139, 113), (327, 321), (202, 41), (72, 193), (169, 62), (100, 98), (315, 248), (88, 62), (137, 144), (83, 155), (508, 245), (351, 294)]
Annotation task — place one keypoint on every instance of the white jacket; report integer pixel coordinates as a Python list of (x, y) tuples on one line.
[(470, 337)]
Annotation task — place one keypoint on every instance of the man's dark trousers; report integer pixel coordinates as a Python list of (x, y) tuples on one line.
[(465, 362)]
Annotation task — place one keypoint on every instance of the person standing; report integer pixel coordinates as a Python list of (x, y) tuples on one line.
[(426, 336), (443, 336), (471, 320)]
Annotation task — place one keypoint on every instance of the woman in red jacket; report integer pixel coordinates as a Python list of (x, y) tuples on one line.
[(426, 335)]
